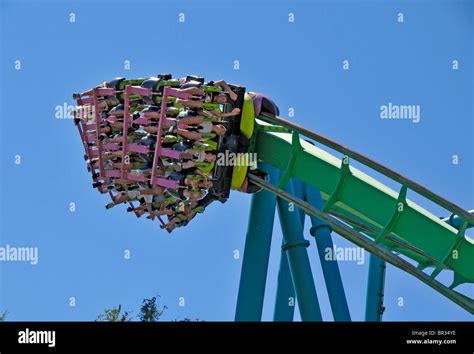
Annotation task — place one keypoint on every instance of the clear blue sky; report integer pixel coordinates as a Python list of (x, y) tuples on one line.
[(298, 64)]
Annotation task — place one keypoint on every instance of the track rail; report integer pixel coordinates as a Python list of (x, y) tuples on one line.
[(371, 246), (453, 208)]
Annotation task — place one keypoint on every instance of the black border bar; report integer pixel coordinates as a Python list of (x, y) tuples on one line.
[(220, 337)]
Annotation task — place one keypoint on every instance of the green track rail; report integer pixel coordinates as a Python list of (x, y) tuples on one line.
[(394, 224)]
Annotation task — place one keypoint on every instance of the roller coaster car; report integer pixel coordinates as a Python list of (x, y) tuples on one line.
[(165, 76), (119, 83), (235, 141), (156, 84), (194, 78)]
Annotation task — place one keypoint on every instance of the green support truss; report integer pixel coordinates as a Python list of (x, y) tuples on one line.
[(394, 224)]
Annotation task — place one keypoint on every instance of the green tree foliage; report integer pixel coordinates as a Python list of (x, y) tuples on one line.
[(150, 311), (3, 316), (114, 314)]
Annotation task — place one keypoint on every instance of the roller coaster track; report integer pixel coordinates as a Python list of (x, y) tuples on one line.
[(365, 211)]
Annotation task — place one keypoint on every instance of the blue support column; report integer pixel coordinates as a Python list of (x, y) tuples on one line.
[(332, 276), (295, 246), (375, 290), (256, 253), (299, 190), (285, 296)]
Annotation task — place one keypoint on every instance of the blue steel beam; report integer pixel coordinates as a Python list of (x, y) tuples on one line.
[(299, 190), (332, 276), (375, 289), (295, 246), (285, 296), (253, 276)]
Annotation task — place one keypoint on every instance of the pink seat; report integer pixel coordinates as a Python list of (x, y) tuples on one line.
[(174, 154), (141, 149), (138, 90), (87, 100), (105, 91), (138, 178), (111, 146), (167, 183), (112, 173), (112, 119), (142, 121), (176, 93)]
